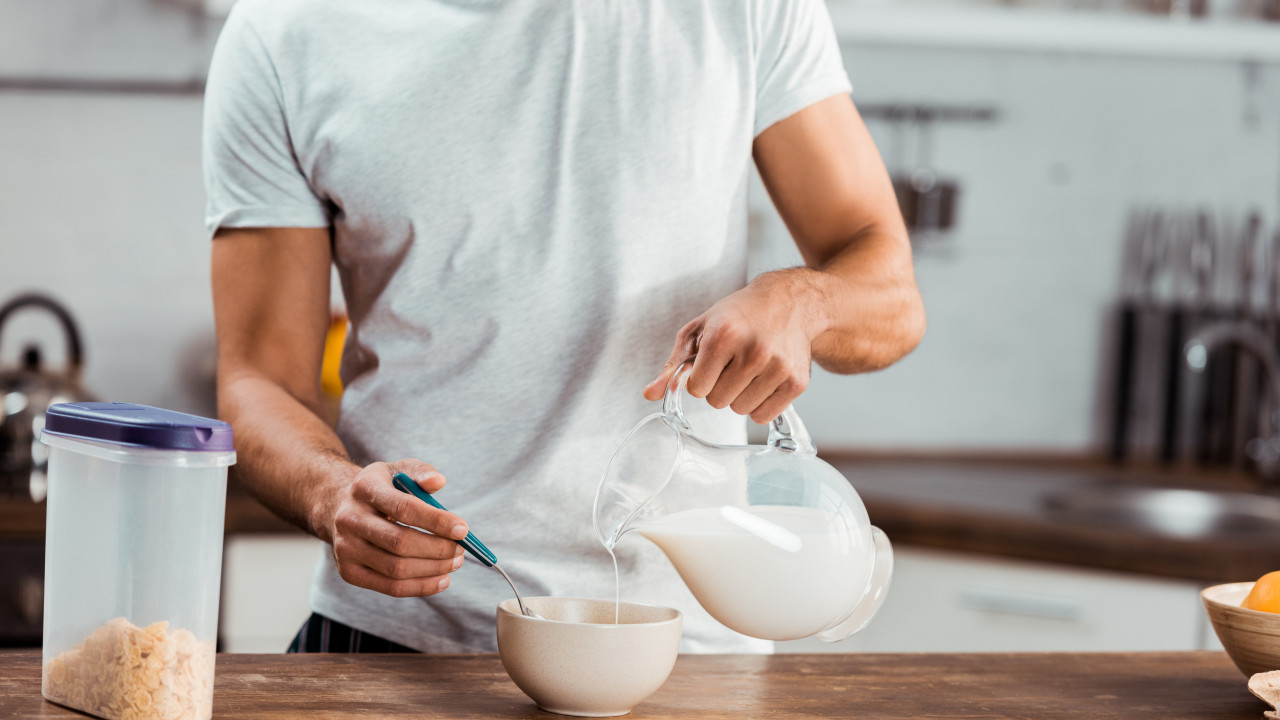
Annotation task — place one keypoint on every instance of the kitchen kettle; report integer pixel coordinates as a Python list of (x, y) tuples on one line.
[(26, 391), (771, 540)]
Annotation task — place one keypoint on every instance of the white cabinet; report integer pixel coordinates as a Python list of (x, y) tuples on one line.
[(265, 583), (960, 602)]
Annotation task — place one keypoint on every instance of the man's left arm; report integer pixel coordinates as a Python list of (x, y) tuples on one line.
[(854, 307)]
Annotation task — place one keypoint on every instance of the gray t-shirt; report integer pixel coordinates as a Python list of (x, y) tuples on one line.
[(528, 198)]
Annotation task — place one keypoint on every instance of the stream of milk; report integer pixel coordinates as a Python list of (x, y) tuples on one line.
[(617, 585), (771, 572)]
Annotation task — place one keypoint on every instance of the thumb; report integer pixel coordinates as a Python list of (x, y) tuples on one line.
[(655, 389), (685, 347), (425, 474)]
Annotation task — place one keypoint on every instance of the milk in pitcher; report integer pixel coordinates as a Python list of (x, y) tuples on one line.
[(769, 571)]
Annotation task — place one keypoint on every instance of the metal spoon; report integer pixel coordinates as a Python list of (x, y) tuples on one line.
[(471, 543)]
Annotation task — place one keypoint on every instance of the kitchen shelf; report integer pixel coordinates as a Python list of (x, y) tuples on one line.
[(981, 27)]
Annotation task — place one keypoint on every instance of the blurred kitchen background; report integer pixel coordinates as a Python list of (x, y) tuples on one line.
[(1090, 183)]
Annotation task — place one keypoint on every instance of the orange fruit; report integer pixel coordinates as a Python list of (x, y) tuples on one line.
[(1265, 595)]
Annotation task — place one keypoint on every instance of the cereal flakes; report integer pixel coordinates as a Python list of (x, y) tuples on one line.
[(124, 672)]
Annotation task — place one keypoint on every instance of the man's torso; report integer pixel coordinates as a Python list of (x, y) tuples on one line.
[(528, 199)]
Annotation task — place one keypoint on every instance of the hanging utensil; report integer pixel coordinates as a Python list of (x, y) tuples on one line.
[(1126, 342), (926, 198), (1268, 413), (1246, 390), (1183, 238), (1201, 265), (1152, 326), (1215, 445)]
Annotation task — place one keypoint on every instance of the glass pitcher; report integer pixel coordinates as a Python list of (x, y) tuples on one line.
[(772, 541)]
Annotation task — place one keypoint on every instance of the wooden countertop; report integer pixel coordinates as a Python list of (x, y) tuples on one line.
[(1005, 508), (1044, 686)]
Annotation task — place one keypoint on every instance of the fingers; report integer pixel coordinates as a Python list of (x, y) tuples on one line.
[(758, 378), (751, 350), (396, 539), (773, 406), (760, 388), (396, 567), (364, 577), (733, 368), (373, 486), (735, 378), (685, 347), (372, 551), (715, 350)]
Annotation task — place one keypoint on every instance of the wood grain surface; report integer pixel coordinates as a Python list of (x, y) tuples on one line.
[(1004, 509), (1208, 560), (1036, 686)]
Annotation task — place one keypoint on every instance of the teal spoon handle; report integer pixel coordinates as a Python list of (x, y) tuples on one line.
[(471, 543)]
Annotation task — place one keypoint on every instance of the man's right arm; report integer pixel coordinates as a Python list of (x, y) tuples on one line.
[(271, 304)]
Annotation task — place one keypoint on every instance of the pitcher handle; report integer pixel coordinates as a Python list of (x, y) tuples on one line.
[(672, 406), (786, 432), (872, 597)]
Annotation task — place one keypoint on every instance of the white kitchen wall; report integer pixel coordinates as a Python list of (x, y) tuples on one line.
[(101, 203), (135, 39), (1019, 296), (101, 206)]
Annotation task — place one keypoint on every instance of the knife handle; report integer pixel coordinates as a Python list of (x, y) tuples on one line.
[(471, 543), (1174, 372), (1123, 400)]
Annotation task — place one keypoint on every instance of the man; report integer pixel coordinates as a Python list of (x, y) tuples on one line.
[(530, 204)]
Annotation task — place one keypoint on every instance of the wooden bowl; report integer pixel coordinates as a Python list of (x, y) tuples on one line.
[(1251, 637)]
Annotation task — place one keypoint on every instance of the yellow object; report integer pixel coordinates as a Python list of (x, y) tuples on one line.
[(334, 341), (1265, 595)]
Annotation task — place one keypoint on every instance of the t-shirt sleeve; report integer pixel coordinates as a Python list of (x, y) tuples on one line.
[(798, 59), (251, 172)]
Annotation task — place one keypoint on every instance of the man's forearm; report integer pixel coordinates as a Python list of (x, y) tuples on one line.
[(288, 458), (865, 308)]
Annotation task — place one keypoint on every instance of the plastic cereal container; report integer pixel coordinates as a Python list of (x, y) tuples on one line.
[(133, 559)]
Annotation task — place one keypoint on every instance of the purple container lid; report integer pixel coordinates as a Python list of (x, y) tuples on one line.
[(137, 426)]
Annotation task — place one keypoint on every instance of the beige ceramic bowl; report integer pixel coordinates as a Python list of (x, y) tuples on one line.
[(1251, 637), (577, 662)]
